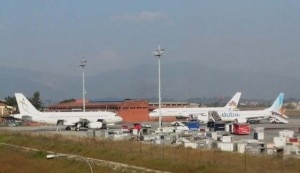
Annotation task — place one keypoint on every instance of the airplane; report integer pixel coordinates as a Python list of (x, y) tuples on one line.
[(198, 113), (75, 120), (273, 113)]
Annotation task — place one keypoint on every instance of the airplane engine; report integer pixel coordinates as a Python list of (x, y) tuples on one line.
[(95, 125), (241, 120), (26, 118)]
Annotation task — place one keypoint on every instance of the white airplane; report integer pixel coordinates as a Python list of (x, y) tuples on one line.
[(69, 119), (199, 113), (273, 113)]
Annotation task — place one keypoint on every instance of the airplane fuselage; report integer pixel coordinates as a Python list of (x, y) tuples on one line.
[(185, 112), (233, 115), (70, 118)]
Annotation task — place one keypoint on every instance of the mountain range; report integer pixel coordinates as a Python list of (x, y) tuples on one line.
[(179, 81)]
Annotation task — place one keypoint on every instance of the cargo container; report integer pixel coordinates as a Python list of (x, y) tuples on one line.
[(279, 141), (286, 133), (259, 135), (252, 150), (135, 131), (290, 149), (241, 128), (249, 141), (228, 127), (117, 137), (293, 140), (212, 135), (226, 146), (219, 126), (226, 138), (190, 145), (210, 124), (255, 148), (193, 125)]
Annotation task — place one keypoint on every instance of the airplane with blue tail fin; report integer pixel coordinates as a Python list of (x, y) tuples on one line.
[(273, 113)]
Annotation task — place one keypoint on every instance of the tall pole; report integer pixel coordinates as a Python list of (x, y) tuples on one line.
[(158, 53), (159, 93), (83, 64)]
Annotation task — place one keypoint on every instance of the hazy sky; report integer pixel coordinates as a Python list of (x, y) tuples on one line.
[(251, 35)]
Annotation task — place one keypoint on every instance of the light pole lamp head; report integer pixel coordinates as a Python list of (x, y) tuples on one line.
[(83, 63), (159, 52)]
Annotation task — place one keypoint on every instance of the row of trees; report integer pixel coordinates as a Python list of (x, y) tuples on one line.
[(35, 100)]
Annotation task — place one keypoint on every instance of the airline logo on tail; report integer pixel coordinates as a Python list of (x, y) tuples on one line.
[(277, 108), (24, 105), (282, 110), (232, 103)]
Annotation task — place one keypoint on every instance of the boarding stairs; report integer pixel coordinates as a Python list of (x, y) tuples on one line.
[(214, 116), (278, 119)]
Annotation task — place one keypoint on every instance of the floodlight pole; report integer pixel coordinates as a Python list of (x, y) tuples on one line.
[(83, 64), (158, 53)]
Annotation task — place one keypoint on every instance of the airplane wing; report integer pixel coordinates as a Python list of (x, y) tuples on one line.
[(275, 117), (278, 119), (256, 119)]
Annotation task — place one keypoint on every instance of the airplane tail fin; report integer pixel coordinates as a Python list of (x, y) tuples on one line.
[(277, 104), (25, 107), (232, 104), (277, 111)]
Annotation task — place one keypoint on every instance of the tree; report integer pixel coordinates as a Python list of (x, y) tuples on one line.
[(11, 101), (36, 100)]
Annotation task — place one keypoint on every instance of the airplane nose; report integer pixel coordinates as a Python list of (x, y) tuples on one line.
[(152, 114), (120, 119)]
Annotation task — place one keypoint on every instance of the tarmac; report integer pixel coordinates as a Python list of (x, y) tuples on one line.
[(270, 130)]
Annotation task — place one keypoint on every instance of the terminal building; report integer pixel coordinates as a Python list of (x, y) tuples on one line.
[(129, 110), (5, 110)]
